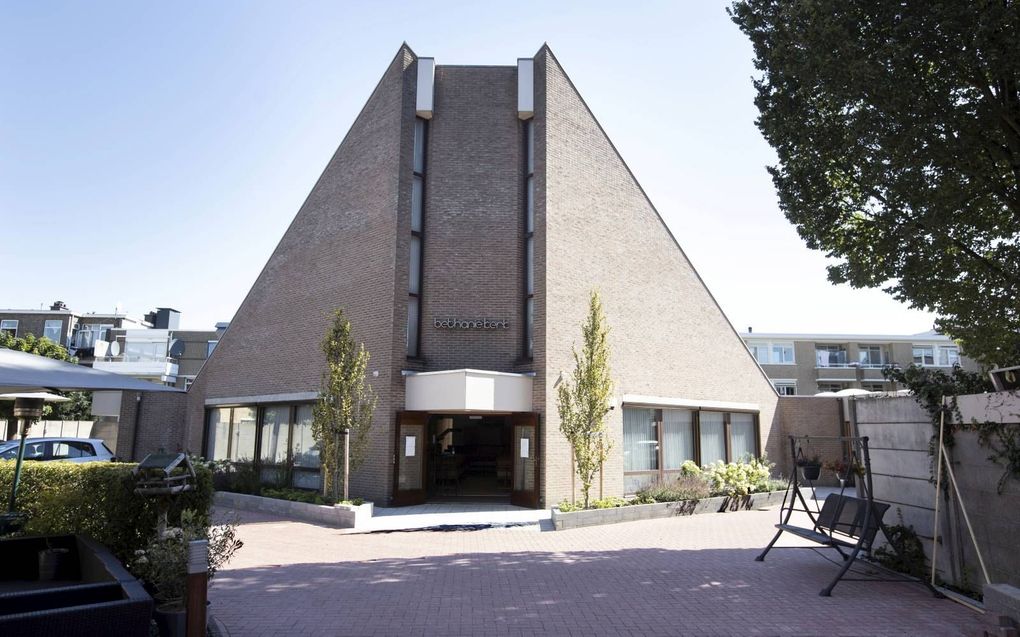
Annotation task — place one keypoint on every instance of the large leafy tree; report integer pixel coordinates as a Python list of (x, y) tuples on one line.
[(583, 401), (897, 127), (344, 408)]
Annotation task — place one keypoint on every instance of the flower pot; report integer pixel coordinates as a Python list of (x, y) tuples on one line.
[(51, 562), (172, 620), (810, 472)]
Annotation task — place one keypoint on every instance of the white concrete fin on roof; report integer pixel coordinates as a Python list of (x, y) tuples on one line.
[(525, 88), (425, 91), (468, 390)]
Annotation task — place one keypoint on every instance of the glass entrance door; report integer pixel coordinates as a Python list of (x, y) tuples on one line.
[(525, 479), (410, 458)]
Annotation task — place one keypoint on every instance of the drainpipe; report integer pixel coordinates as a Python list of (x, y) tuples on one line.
[(134, 431)]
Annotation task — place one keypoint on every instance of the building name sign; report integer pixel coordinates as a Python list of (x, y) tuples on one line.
[(452, 323)]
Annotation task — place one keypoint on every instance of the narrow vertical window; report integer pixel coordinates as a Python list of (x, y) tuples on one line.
[(415, 251), (529, 238)]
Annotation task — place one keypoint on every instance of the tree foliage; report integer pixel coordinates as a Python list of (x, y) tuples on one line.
[(897, 129), (345, 405), (80, 405), (583, 402)]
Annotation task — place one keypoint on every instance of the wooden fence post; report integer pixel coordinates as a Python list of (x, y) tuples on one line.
[(197, 587)]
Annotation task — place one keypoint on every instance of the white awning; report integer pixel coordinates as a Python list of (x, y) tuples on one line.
[(468, 390)]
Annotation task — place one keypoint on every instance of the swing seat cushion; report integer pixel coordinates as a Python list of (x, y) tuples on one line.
[(845, 515), (814, 536)]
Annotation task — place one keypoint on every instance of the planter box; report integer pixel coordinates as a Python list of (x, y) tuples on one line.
[(594, 517), (89, 592), (341, 516)]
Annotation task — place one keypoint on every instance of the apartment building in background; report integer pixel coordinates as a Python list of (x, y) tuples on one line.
[(809, 364), (150, 348)]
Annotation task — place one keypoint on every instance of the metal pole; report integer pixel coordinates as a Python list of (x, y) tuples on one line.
[(197, 587), (17, 466), (27, 409), (347, 462)]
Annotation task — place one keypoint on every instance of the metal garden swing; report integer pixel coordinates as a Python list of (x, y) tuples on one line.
[(848, 524)]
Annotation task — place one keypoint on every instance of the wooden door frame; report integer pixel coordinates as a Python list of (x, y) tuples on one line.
[(517, 497), (406, 497)]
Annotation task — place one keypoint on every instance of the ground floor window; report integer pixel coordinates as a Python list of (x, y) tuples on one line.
[(273, 440), (656, 442)]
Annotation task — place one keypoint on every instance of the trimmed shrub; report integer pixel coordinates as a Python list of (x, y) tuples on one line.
[(686, 487), (97, 499)]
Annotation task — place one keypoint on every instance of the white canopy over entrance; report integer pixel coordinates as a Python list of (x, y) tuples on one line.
[(468, 390)]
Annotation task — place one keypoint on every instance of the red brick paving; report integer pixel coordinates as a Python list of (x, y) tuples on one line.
[(680, 576)]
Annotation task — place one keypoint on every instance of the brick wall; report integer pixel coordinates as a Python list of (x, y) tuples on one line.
[(340, 251), (809, 416), (597, 229), (474, 219), (34, 323), (150, 421)]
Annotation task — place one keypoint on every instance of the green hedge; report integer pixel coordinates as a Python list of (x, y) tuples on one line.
[(96, 499)]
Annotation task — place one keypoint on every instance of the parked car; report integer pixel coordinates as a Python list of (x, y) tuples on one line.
[(67, 449)]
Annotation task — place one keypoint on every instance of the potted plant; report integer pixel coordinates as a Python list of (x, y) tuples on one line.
[(810, 468), (840, 468), (162, 565)]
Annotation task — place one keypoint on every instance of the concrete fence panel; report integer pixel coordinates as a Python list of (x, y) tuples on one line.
[(900, 433)]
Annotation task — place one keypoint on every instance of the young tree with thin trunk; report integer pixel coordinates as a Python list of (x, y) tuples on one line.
[(344, 408), (583, 402)]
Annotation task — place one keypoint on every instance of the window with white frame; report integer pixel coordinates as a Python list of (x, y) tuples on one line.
[(53, 329), (785, 387), (870, 355), (782, 354), (948, 356), (830, 355), (9, 326), (769, 353), (209, 347), (760, 351), (89, 333), (924, 355), (873, 386)]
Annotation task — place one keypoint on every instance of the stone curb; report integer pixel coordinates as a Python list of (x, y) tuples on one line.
[(721, 504)]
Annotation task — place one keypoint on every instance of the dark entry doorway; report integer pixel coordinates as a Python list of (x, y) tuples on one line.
[(470, 457)]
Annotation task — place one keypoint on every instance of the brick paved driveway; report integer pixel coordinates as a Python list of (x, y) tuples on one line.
[(693, 576)]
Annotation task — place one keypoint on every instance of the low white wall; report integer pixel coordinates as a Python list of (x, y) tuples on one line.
[(339, 516), (53, 428)]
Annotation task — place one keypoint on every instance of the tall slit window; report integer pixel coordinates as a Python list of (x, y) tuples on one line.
[(415, 252), (529, 239)]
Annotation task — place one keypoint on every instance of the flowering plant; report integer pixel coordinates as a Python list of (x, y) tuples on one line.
[(163, 563)]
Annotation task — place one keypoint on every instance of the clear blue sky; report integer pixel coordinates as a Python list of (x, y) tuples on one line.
[(152, 154)]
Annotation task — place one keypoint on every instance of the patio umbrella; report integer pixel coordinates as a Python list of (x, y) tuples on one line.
[(45, 396), (24, 373)]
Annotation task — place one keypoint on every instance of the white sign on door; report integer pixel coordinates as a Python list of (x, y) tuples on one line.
[(525, 444), (409, 442)]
